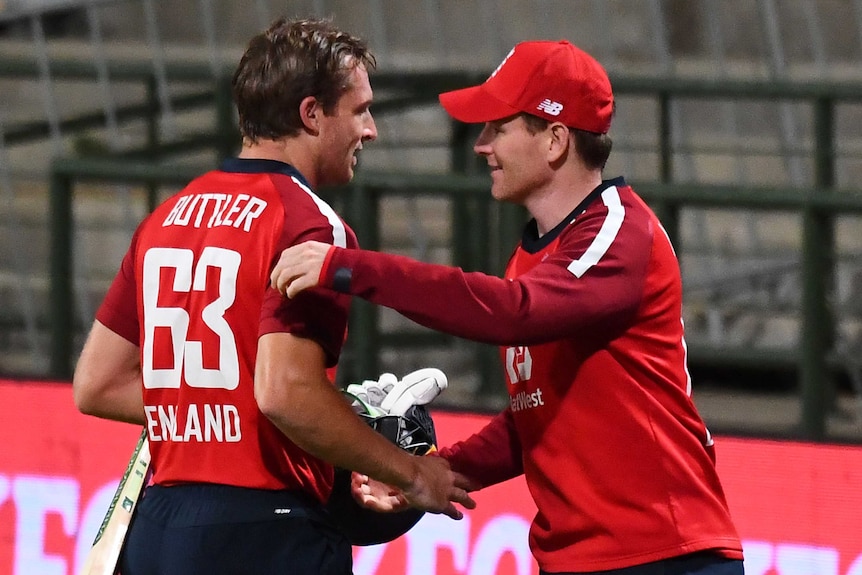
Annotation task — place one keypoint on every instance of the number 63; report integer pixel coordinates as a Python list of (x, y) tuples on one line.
[(188, 353)]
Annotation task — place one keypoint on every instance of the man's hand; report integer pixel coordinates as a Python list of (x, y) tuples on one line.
[(435, 489), (299, 268), (376, 495)]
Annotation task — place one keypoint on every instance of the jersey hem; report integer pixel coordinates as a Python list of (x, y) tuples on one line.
[(731, 551)]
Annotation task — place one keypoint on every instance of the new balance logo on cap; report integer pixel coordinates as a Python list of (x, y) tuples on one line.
[(549, 107)]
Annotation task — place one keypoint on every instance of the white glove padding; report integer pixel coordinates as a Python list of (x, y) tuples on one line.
[(390, 396), (377, 390), (368, 395), (416, 388)]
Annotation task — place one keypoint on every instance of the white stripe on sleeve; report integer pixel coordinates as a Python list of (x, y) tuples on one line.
[(339, 235), (606, 235)]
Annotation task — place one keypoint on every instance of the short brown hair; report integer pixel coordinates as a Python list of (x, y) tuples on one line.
[(593, 148), (291, 60)]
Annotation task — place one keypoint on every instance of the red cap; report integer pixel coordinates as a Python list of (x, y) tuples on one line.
[(556, 81)]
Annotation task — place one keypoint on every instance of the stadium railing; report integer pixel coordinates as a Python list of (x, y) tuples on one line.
[(818, 204)]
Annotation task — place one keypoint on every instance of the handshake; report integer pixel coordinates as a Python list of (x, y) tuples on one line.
[(395, 409)]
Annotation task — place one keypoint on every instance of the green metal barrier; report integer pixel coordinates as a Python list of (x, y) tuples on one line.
[(363, 200), (818, 205)]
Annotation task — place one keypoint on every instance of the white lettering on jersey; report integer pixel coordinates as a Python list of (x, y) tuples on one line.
[(550, 107), (200, 423), (187, 352), (524, 400), (606, 236), (223, 210), (519, 368)]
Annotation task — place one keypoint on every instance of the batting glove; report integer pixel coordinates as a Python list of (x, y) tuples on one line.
[(416, 388), (390, 396)]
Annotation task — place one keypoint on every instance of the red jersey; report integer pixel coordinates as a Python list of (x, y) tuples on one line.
[(601, 421), (193, 292)]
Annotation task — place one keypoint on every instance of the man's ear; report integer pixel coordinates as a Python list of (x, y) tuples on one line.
[(309, 112), (559, 142)]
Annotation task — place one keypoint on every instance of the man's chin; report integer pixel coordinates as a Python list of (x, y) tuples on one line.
[(351, 171), (339, 180)]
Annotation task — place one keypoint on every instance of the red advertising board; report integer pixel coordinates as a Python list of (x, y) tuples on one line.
[(797, 506)]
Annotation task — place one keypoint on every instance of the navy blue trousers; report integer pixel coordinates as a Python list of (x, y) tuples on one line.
[(223, 530)]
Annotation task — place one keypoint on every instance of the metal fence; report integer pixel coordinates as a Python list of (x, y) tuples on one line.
[(821, 326), (745, 114)]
